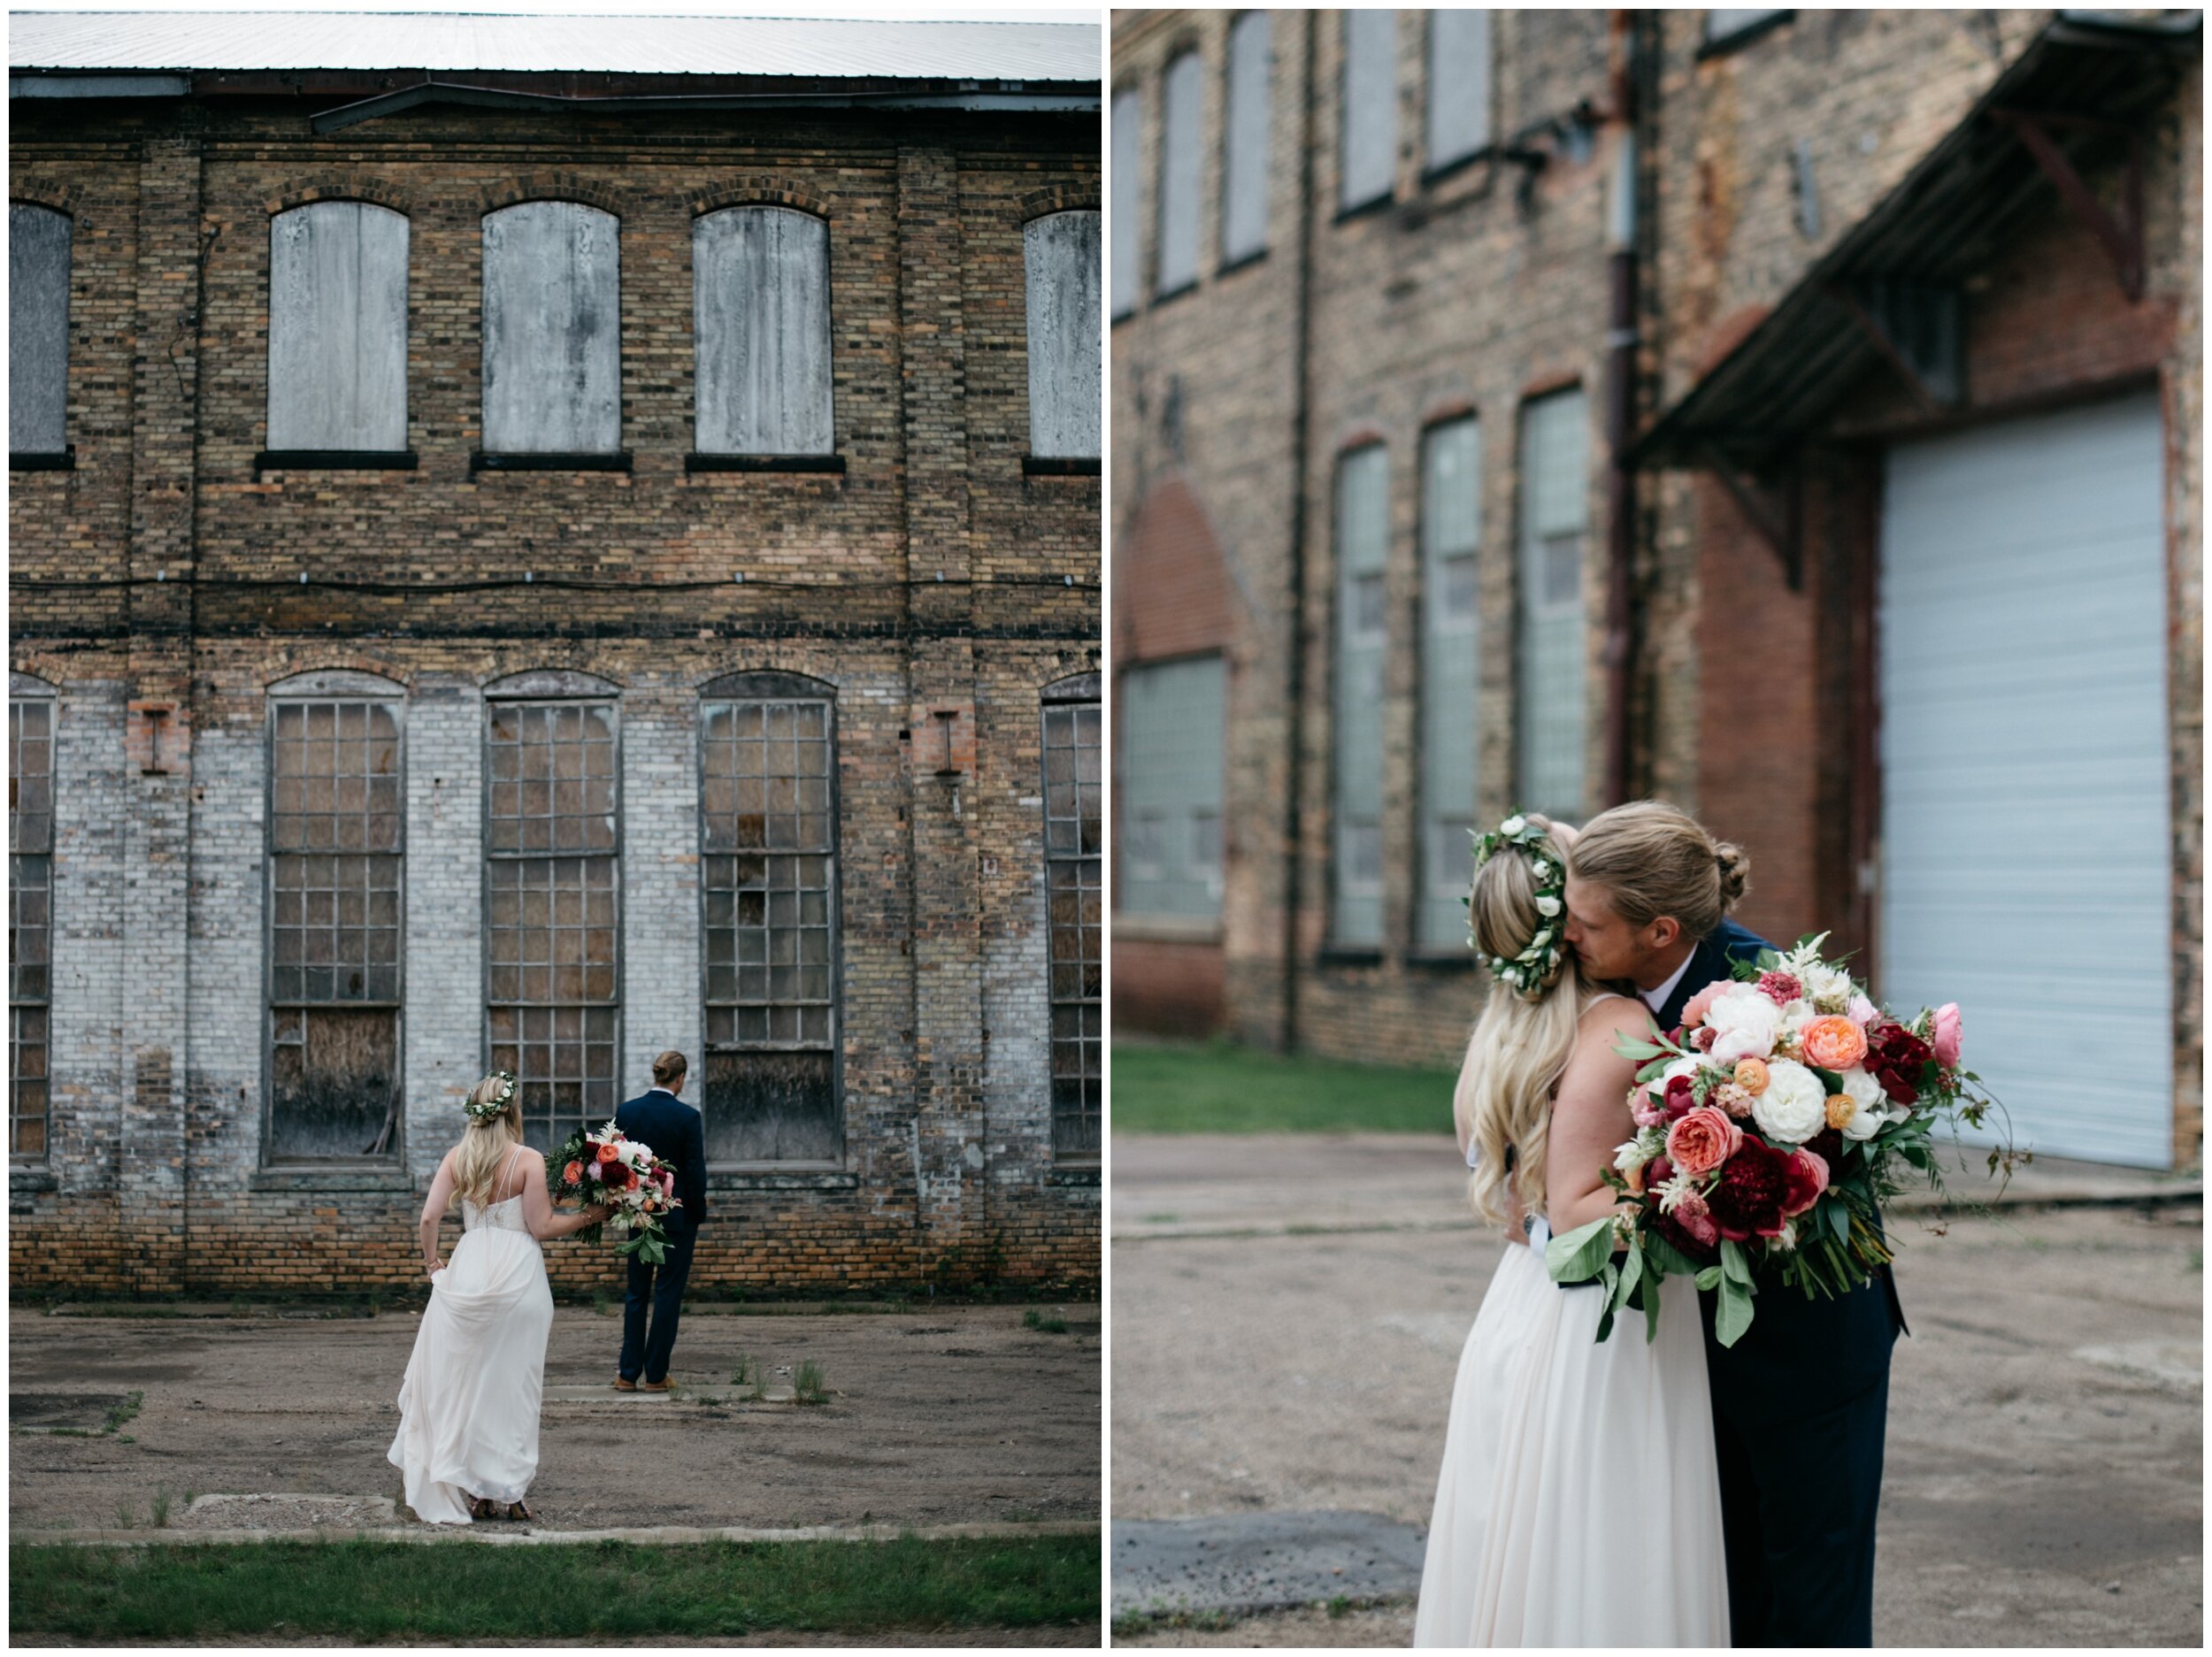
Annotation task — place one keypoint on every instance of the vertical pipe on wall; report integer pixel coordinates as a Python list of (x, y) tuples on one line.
[(1620, 413), (1294, 814)]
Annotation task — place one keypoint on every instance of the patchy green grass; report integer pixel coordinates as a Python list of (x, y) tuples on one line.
[(1054, 1325), (1218, 1089), (553, 1593), (810, 1386)]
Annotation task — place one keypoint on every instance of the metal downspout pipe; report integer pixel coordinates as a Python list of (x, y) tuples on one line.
[(1620, 411)]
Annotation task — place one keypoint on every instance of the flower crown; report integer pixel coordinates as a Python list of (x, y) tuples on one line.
[(1536, 964), (496, 1105)]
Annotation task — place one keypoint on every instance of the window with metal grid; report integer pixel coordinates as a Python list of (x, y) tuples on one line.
[(30, 919), (1363, 638), (1550, 690), (335, 846), (1451, 539), (552, 886), (1074, 899), (768, 844)]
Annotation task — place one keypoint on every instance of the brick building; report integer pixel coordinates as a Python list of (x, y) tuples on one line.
[(536, 541), (1791, 414)]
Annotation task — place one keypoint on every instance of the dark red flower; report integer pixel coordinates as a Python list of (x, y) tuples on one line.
[(1676, 1233), (1754, 1186), (1895, 1057), (1703, 1037), (1681, 1097), (1658, 1170), (1779, 987), (1828, 1146)]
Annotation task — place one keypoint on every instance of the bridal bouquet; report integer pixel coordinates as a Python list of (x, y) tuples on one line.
[(604, 1167), (1769, 1128)]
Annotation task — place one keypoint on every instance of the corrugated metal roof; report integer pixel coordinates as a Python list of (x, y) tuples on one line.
[(1951, 215), (306, 40)]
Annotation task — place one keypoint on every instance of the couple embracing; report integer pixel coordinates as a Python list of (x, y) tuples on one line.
[(1618, 1493), (467, 1444)]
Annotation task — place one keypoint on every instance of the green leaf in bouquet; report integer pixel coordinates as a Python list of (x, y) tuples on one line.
[(1652, 1071), (1837, 1219), (1663, 1259), (1735, 1265), (1709, 1279), (1632, 1273), (1630, 1048), (1651, 1311), (1580, 1253), (1732, 1316)]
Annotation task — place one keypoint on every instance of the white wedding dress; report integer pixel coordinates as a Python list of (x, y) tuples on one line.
[(468, 1406), (1578, 1503)]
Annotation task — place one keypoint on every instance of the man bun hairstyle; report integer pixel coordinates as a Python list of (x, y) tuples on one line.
[(1655, 859), (670, 1067)]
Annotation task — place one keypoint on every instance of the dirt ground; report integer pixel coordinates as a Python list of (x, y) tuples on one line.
[(2044, 1473), (936, 1415)]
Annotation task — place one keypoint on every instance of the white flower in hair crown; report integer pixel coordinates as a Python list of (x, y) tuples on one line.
[(1546, 950), (497, 1102)]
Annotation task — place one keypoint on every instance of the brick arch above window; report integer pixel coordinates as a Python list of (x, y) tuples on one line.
[(284, 668), (1074, 687), (21, 684), (546, 682), (759, 189), (37, 192), (336, 682), (1059, 198), (554, 187), (341, 187), (768, 682)]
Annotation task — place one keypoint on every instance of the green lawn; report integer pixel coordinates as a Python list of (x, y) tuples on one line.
[(1218, 1088), (551, 1593)]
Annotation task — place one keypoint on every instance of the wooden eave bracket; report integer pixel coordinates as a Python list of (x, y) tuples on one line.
[(2122, 236), (1891, 352), (1773, 513)]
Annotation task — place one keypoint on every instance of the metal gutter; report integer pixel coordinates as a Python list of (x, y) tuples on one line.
[(443, 92)]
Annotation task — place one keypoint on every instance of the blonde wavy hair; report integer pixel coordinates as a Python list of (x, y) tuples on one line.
[(485, 1144), (1521, 1043)]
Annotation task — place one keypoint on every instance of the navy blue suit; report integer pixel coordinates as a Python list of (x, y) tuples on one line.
[(676, 1135), (1801, 1405)]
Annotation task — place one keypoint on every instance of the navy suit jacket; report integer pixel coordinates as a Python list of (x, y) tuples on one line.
[(676, 1134), (1713, 960)]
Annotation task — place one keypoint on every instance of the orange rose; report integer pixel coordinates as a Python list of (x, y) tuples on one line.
[(1833, 1043), (607, 1153), (1842, 1109), (573, 1175), (1751, 1076)]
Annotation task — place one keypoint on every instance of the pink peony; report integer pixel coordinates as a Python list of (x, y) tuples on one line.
[(1806, 1178), (1862, 1012), (1948, 1032), (1695, 1012), (1646, 1111), (1693, 1216), (595, 1170), (1702, 1140)]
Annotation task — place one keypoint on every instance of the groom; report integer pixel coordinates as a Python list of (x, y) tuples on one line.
[(1800, 1402), (672, 1131)]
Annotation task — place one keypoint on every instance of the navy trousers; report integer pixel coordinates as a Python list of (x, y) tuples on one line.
[(646, 1349), (1801, 1406)]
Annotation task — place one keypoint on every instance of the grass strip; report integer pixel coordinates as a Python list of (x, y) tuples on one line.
[(552, 1593), (1219, 1088)]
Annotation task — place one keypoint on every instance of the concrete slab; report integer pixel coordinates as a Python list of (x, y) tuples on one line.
[(1241, 1563)]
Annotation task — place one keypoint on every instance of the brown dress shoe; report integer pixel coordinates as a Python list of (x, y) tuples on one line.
[(621, 1385), (660, 1385)]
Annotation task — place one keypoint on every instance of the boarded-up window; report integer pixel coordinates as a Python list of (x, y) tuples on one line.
[(1073, 901), (1128, 237), (1459, 85), (1550, 683), (1368, 156), (336, 834), (338, 327), (1060, 255), (1182, 97), (30, 918), (1724, 24), (38, 329), (1244, 169), (552, 883), (761, 305), (768, 844), (1170, 790), (1451, 536), (552, 329), (1363, 639)]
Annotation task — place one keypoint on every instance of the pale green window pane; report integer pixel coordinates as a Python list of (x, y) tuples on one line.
[(1451, 536), (1551, 693), (1171, 846), (1363, 637)]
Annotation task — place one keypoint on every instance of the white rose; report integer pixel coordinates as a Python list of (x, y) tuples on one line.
[(1540, 870), (1631, 1155), (1744, 1023), (1866, 1094), (1512, 825), (1794, 1106), (1548, 906), (1829, 987)]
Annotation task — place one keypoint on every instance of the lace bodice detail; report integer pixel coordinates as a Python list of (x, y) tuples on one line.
[(499, 1217)]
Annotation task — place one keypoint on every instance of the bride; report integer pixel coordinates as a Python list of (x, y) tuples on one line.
[(468, 1407), (1578, 1503)]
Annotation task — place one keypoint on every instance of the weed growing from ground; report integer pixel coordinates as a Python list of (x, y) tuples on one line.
[(1054, 1325), (807, 1386)]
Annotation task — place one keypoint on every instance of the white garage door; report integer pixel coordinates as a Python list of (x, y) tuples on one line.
[(2026, 820)]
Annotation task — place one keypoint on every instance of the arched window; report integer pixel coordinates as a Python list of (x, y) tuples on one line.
[(338, 327), (38, 329), (1060, 256), (30, 911), (768, 856), (1245, 132), (761, 307), (552, 372), (337, 836), (1551, 666), (1362, 647), (1182, 121)]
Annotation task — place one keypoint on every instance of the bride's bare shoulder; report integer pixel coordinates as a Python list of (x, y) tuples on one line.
[(1612, 1016)]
